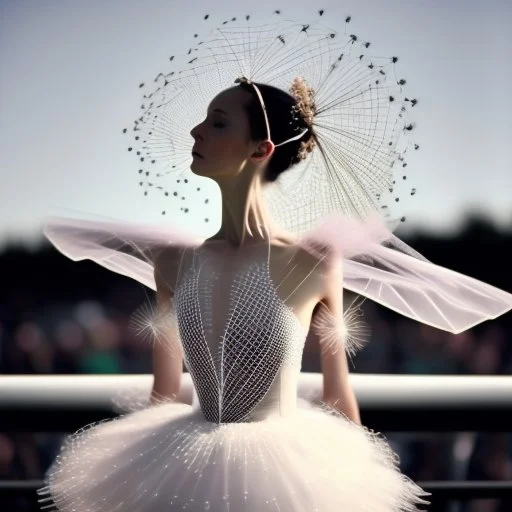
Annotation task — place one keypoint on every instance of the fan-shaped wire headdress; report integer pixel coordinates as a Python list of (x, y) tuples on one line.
[(361, 115)]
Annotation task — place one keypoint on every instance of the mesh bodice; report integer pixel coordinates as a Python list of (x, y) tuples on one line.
[(242, 343)]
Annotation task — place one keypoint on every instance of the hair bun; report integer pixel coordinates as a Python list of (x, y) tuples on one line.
[(304, 95)]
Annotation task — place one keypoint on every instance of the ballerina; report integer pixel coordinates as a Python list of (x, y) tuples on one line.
[(236, 309)]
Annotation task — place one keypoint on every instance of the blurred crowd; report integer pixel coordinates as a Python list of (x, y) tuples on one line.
[(89, 337)]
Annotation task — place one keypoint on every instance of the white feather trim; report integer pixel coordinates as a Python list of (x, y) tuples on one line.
[(348, 331), (157, 326)]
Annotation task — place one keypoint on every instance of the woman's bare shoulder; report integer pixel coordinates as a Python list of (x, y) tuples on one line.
[(168, 254), (167, 262), (318, 265), (312, 254)]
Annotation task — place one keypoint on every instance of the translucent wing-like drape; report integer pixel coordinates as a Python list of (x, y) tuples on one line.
[(423, 291), (376, 264), (380, 266), (126, 248)]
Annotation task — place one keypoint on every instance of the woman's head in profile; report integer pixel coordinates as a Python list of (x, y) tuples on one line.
[(235, 136)]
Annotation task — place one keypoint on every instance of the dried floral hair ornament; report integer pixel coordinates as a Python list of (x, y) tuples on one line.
[(306, 108)]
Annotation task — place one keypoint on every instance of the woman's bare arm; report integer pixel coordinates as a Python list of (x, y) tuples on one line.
[(337, 391), (167, 351)]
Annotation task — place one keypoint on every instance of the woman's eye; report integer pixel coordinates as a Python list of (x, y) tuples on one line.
[(219, 125)]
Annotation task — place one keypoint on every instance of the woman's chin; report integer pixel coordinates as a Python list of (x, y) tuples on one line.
[(195, 167), (199, 168)]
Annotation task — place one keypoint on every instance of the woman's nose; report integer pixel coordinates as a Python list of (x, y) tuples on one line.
[(195, 132)]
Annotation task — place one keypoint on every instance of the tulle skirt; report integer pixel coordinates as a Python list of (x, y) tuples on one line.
[(168, 457)]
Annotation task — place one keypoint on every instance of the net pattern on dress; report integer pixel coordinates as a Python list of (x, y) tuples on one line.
[(261, 334)]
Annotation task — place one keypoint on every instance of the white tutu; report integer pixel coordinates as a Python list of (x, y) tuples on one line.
[(168, 457)]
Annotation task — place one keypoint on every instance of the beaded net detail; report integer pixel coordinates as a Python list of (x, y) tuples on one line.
[(227, 349)]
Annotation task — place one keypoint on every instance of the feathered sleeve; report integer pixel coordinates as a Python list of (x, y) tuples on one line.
[(381, 267)]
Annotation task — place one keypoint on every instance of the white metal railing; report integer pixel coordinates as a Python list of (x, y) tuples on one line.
[(387, 402)]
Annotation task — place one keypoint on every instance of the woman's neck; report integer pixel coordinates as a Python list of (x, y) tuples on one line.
[(245, 218)]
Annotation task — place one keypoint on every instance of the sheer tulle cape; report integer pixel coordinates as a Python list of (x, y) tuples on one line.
[(168, 457), (125, 248), (376, 264)]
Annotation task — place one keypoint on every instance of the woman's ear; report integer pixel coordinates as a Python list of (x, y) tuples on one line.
[(263, 151)]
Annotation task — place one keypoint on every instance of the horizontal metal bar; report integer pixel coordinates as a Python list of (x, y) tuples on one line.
[(19, 487), (387, 402), (462, 491), (441, 491)]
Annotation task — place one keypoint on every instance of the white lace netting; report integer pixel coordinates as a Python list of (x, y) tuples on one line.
[(258, 331)]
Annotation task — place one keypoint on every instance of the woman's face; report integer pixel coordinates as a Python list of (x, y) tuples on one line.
[(222, 142)]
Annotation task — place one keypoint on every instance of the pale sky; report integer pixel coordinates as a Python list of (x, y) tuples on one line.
[(69, 79)]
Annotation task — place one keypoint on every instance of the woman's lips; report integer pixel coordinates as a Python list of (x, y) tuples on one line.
[(195, 153)]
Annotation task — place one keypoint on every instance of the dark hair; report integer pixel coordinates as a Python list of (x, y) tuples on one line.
[(284, 123)]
